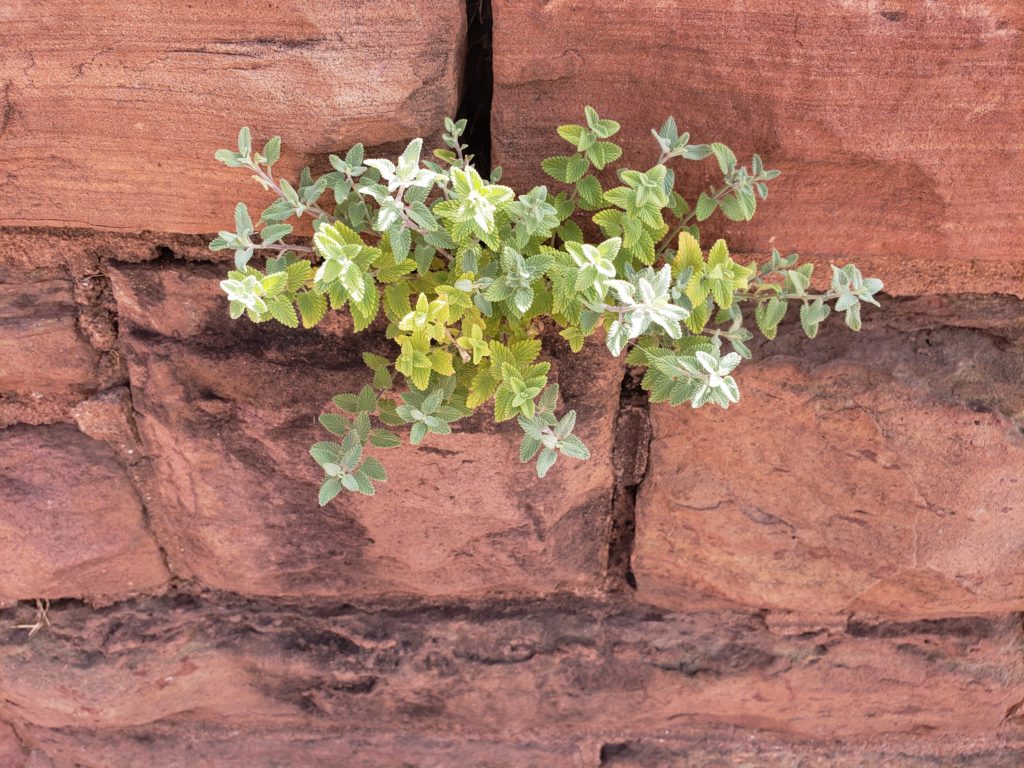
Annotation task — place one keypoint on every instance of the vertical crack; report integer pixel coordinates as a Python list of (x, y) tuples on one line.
[(478, 84), (630, 455)]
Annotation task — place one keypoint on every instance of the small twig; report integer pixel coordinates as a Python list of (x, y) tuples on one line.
[(42, 619), (686, 222)]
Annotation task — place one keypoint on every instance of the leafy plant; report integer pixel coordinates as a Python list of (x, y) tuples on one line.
[(467, 275)]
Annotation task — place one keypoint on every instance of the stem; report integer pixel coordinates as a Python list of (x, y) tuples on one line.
[(617, 310), (804, 297), (464, 354), (685, 222), (282, 247), (269, 179)]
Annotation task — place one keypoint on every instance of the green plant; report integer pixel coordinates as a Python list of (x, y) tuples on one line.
[(468, 276)]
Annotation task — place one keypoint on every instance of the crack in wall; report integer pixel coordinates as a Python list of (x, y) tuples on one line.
[(478, 83), (630, 461)]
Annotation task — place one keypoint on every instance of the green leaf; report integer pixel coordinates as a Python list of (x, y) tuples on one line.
[(725, 156), (769, 314), (603, 153), (706, 205), (384, 438), (312, 307), (272, 150), (365, 310), (244, 141), (545, 461), (528, 448), (331, 487), (374, 470), (417, 433), (275, 232), (243, 222), (574, 336), (556, 167), (575, 168), (739, 206), (335, 423), (573, 447), (282, 310)]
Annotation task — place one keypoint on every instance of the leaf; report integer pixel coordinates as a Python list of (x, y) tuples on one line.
[(384, 438), (556, 167), (525, 352), (396, 300), (325, 452), (365, 310), (347, 401), (589, 190), (312, 307), (603, 153), (528, 448), (244, 141), (275, 232), (575, 168), (272, 150), (282, 310), (725, 156), (299, 274), (334, 423), (574, 336), (441, 362), (573, 447), (545, 461), (482, 387), (331, 487), (706, 205), (243, 222), (769, 314), (373, 469), (503, 406), (739, 206), (366, 400), (571, 133)]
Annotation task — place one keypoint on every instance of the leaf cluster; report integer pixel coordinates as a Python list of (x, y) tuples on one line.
[(463, 275)]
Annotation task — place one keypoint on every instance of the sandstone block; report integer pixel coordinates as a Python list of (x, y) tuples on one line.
[(71, 523), (896, 128), (110, 113), (227, 411), (547, 672), (877, 474), (42, 351)]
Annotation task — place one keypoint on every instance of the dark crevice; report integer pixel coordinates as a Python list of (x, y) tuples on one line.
[(478, 84), (630, 460)]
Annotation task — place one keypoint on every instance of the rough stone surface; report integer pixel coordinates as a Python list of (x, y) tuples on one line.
[(71, 524), (830, 575), (227, 410), (11, 753), (187, 745), (110, 113), (42, 351), (548, 672), (895, 124), (878, 473), (183, 745)]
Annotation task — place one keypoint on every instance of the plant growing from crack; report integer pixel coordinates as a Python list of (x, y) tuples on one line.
[(468, 275)]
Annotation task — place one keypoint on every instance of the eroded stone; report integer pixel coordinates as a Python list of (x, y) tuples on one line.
[(895, 129), (227, 411), (71, 523), (876, 473), (101, 103)]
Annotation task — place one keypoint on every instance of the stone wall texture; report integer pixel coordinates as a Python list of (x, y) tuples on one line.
[(829, 574)]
